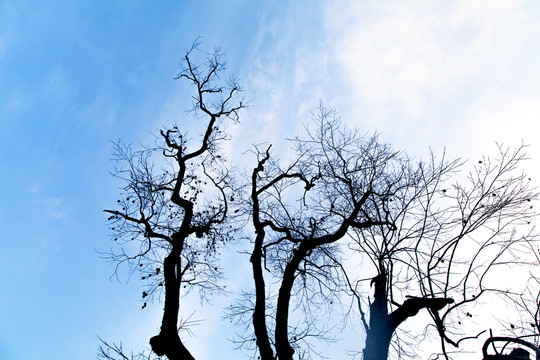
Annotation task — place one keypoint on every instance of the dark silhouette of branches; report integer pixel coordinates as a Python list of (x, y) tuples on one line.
[(432, 240), (345, 225), (169, 233), (447, 240), (515, 354), (337, 184), (116, 352)]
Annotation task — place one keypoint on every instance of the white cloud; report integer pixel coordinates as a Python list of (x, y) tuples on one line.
[(461, 74), (413, 52), (414, 69)]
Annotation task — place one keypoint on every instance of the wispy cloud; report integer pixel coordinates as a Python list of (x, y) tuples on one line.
[(47, 210), (416, 55), (7, 27), (401, 67), (57, 88), (16, 103), (415, 52)]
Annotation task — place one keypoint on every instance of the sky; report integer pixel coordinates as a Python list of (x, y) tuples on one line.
[(76, 75)]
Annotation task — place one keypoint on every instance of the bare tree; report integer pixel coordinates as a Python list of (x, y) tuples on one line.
[(170, 233), (299, 212), (432, 240), (346, 222), (447, 239)]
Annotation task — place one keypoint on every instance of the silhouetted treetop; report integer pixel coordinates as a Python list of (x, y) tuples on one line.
[(345, 232)]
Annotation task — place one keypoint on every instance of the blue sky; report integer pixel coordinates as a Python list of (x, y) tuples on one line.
[(76, 74)]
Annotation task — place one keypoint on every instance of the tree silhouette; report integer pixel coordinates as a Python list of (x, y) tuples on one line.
[(523, 331), (178, 231), (446, 242), (431, 242), (516, 353), (346, 222)]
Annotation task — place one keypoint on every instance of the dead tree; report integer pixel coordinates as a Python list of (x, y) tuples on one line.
[(336, 185), (448, 236), (168, 233), (432, 239), (425, 235)]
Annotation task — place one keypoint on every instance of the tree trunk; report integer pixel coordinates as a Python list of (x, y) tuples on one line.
[(380, 330), (168, 342), (377, 343), (259, 314), (383, 325), (283, 347)]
